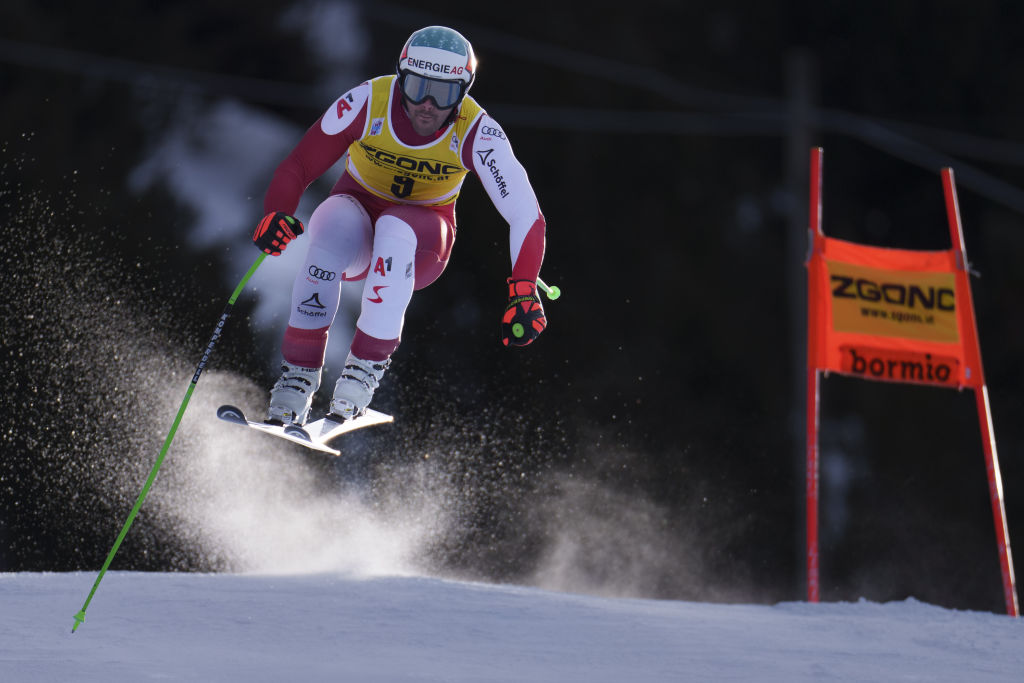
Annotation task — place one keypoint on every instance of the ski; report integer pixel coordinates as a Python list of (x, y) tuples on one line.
[(314, 435)]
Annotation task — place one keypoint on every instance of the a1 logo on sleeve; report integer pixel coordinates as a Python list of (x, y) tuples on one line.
[(344, 110)]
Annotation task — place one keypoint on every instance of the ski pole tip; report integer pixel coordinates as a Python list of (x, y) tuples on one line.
[(79, 618)]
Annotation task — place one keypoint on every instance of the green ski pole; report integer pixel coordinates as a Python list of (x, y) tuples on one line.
[(80, 617), (553, 292)]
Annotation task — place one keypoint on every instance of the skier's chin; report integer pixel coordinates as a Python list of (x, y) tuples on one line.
[(425, 125)]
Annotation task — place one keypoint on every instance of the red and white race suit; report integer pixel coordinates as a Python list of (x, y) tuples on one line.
[(390, 217)]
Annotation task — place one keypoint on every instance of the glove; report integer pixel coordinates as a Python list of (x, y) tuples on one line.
[(275, 231), (524, 316)]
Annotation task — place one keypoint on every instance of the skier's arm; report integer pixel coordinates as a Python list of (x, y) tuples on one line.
[(489, 155), (323, 144)]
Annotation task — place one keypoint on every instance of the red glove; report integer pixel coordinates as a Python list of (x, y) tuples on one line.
[(524, 315), (275, 231)]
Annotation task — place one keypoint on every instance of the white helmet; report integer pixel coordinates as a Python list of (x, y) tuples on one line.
[(436, 63)]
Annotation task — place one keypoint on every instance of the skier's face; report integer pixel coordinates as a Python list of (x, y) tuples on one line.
[(426, 118)]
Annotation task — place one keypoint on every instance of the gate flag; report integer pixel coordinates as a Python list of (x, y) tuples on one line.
[(891, 315), (895, 315)]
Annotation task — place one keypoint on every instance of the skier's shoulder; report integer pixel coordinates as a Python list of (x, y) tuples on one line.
[(482, 131), (347, 109), (471, 111), (470, 117)]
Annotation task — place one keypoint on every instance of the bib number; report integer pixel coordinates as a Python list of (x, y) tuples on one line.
[(402, 187)]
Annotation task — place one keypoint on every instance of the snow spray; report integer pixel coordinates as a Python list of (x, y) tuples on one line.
[(80, 616)]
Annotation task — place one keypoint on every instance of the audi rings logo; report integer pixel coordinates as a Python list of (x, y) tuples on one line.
[(494, 132), (320, 274)]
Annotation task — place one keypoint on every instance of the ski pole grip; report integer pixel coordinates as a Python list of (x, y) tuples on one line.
[(553, 292)]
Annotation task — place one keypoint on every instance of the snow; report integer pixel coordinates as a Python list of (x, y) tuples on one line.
[(336, 627), (327, 583), (327, 586)]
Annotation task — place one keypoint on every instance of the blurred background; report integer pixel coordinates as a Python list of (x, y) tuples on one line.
[(651, 442)]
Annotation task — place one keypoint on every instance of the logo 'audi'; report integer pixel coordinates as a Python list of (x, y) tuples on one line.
[(495, 132), (320, 274)]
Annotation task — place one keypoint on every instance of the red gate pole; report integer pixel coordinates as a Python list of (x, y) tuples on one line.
[(813, 581), (813, 378), (972, 346)]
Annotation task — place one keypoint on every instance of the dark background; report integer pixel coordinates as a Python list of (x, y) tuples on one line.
[(668, 148)]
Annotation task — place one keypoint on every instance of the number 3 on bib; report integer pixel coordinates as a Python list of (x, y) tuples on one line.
[(402, 186)]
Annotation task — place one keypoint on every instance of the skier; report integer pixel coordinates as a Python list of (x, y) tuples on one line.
[(410, 138)]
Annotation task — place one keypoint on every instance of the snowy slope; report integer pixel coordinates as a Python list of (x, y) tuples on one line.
[(326, 585), (327, 627)]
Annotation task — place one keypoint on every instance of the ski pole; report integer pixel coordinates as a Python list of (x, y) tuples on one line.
[(553, 292), (80, 617)]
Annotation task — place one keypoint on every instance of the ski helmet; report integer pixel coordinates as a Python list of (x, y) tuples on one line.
[(437, 63)]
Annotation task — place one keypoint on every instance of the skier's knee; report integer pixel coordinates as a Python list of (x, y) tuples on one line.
[(390, 227)]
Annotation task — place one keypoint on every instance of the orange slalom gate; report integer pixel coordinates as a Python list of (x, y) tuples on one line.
[(894, 315)]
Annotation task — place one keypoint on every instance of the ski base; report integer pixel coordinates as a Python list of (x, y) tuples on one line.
[(313, 435)]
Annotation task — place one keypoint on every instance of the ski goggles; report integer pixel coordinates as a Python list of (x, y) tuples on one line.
[(418, 89)]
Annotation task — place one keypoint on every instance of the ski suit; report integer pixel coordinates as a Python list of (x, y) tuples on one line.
[(390, 217)]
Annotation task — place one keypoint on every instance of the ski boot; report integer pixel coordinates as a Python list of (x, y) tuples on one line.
[(354, 389), (292, 395)]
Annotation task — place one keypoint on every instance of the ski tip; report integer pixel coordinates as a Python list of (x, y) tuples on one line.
[(231, 414)]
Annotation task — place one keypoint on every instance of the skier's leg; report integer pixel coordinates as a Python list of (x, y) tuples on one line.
[(340, 237), (411, 247)]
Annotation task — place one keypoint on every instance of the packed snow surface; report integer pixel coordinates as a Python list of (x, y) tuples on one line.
[(335, 627)]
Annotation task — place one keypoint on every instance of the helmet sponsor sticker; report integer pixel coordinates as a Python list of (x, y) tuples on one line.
[(435, 67)]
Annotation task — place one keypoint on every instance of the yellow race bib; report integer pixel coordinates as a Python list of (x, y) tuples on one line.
[(430, 174)]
